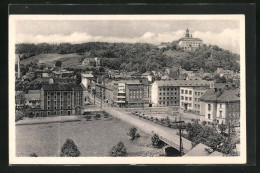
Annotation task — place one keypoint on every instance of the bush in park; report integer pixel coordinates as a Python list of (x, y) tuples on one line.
[(97, 116), (118, 150), (133, 133), (88, 117), (69, 149), (204, 123)]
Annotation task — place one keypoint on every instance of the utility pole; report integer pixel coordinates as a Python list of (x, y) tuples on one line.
[(180, 129)]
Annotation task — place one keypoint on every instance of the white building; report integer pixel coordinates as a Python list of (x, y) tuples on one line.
[(189, 43)]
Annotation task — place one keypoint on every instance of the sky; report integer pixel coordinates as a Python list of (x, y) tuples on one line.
[(224, 33)]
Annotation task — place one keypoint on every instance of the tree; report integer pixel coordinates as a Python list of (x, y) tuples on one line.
[(118, 150), (156, 142), (88, 117), (69, 149), (222, 127), (133, 133), (58, 64)]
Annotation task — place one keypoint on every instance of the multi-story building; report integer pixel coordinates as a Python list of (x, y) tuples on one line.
[(128, 93), (221, 105), (189, 43), (167, 93), (189, 96), (63, 99)]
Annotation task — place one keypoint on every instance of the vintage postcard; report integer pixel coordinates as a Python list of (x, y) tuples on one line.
[(127, 89)]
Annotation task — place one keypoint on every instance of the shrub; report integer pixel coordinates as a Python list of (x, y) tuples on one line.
[(118, 150), (105, 115), (204, 123), (156, 119), (156, 142), (222, 127), (88, 117), (132, 133), (33, 155), (97, 116), (69, 149)]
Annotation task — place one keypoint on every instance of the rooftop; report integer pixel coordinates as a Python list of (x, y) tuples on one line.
[(200, 150), (63, 87), (182, 83), (32, 96), (221, 95)]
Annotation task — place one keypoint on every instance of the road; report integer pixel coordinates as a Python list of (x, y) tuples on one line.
[(147, 126)]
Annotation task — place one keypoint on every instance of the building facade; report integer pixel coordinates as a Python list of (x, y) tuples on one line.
[(167, 93), (221, 105), (128, 93), (190, 97), (64, 99)]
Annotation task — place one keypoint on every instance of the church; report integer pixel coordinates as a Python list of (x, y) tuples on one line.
[(189, 43)]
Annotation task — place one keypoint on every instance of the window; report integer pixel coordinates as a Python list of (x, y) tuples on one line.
[(190, 98), (160, 98), (190, 92), (195, 93), (48, 113), (220, 113), (160, 94), (195, 99), (198, 93), (186, 91), (61, 112), (198, 106), (182, 97), (182, 91), (190, 104), (220, 106), (209, 116), (186, 98), (209, 107)]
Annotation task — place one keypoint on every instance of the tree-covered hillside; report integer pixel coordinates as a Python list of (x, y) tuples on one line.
[(140, 56)]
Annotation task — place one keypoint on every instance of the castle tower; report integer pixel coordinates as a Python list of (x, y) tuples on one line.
[(187, 33)]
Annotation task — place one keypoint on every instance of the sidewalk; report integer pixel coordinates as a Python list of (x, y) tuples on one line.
[(46, 120)]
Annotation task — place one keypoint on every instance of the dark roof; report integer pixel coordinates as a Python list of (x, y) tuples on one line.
[(190, 39), (182, 83), (63, 87), (32, 96), (221, 95), (34, 91)]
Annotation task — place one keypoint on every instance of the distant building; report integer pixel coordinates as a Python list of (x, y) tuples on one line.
[(128, 93), (66, 99), (228, 74), (91, 62), (33, 100), (221, 104), (189, 43), (86, 79), (167, 93)]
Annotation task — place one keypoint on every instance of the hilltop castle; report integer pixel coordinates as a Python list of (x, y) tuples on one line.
[(188, 42)]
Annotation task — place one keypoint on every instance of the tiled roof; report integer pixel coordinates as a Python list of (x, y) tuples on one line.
[(32, 96), (64, 87), (34, 91), (183, 83), (190, 39), (87, 75), (198, 150), (221, 95)]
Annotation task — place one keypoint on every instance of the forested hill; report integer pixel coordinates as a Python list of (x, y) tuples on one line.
[(140, 56)]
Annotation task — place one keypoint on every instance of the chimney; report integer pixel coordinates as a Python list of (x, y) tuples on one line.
[(18, 65)]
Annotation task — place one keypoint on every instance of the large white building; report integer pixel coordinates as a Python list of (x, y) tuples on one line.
[(189, 43)]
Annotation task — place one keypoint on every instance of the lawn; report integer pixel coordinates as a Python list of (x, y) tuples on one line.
[(68, 60), (93, 138)]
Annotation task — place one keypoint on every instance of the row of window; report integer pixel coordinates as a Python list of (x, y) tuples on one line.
[(168, 103), (59, 112), (189, 104), (186, 92), (167, 93), (186, 98), (160, 98), (196, 105), (168, 89)]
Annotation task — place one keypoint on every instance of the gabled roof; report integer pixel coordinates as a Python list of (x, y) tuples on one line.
[(32, 96), (221, 95), (190, 39)]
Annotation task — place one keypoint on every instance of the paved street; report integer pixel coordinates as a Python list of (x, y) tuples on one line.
[(146, 126)]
